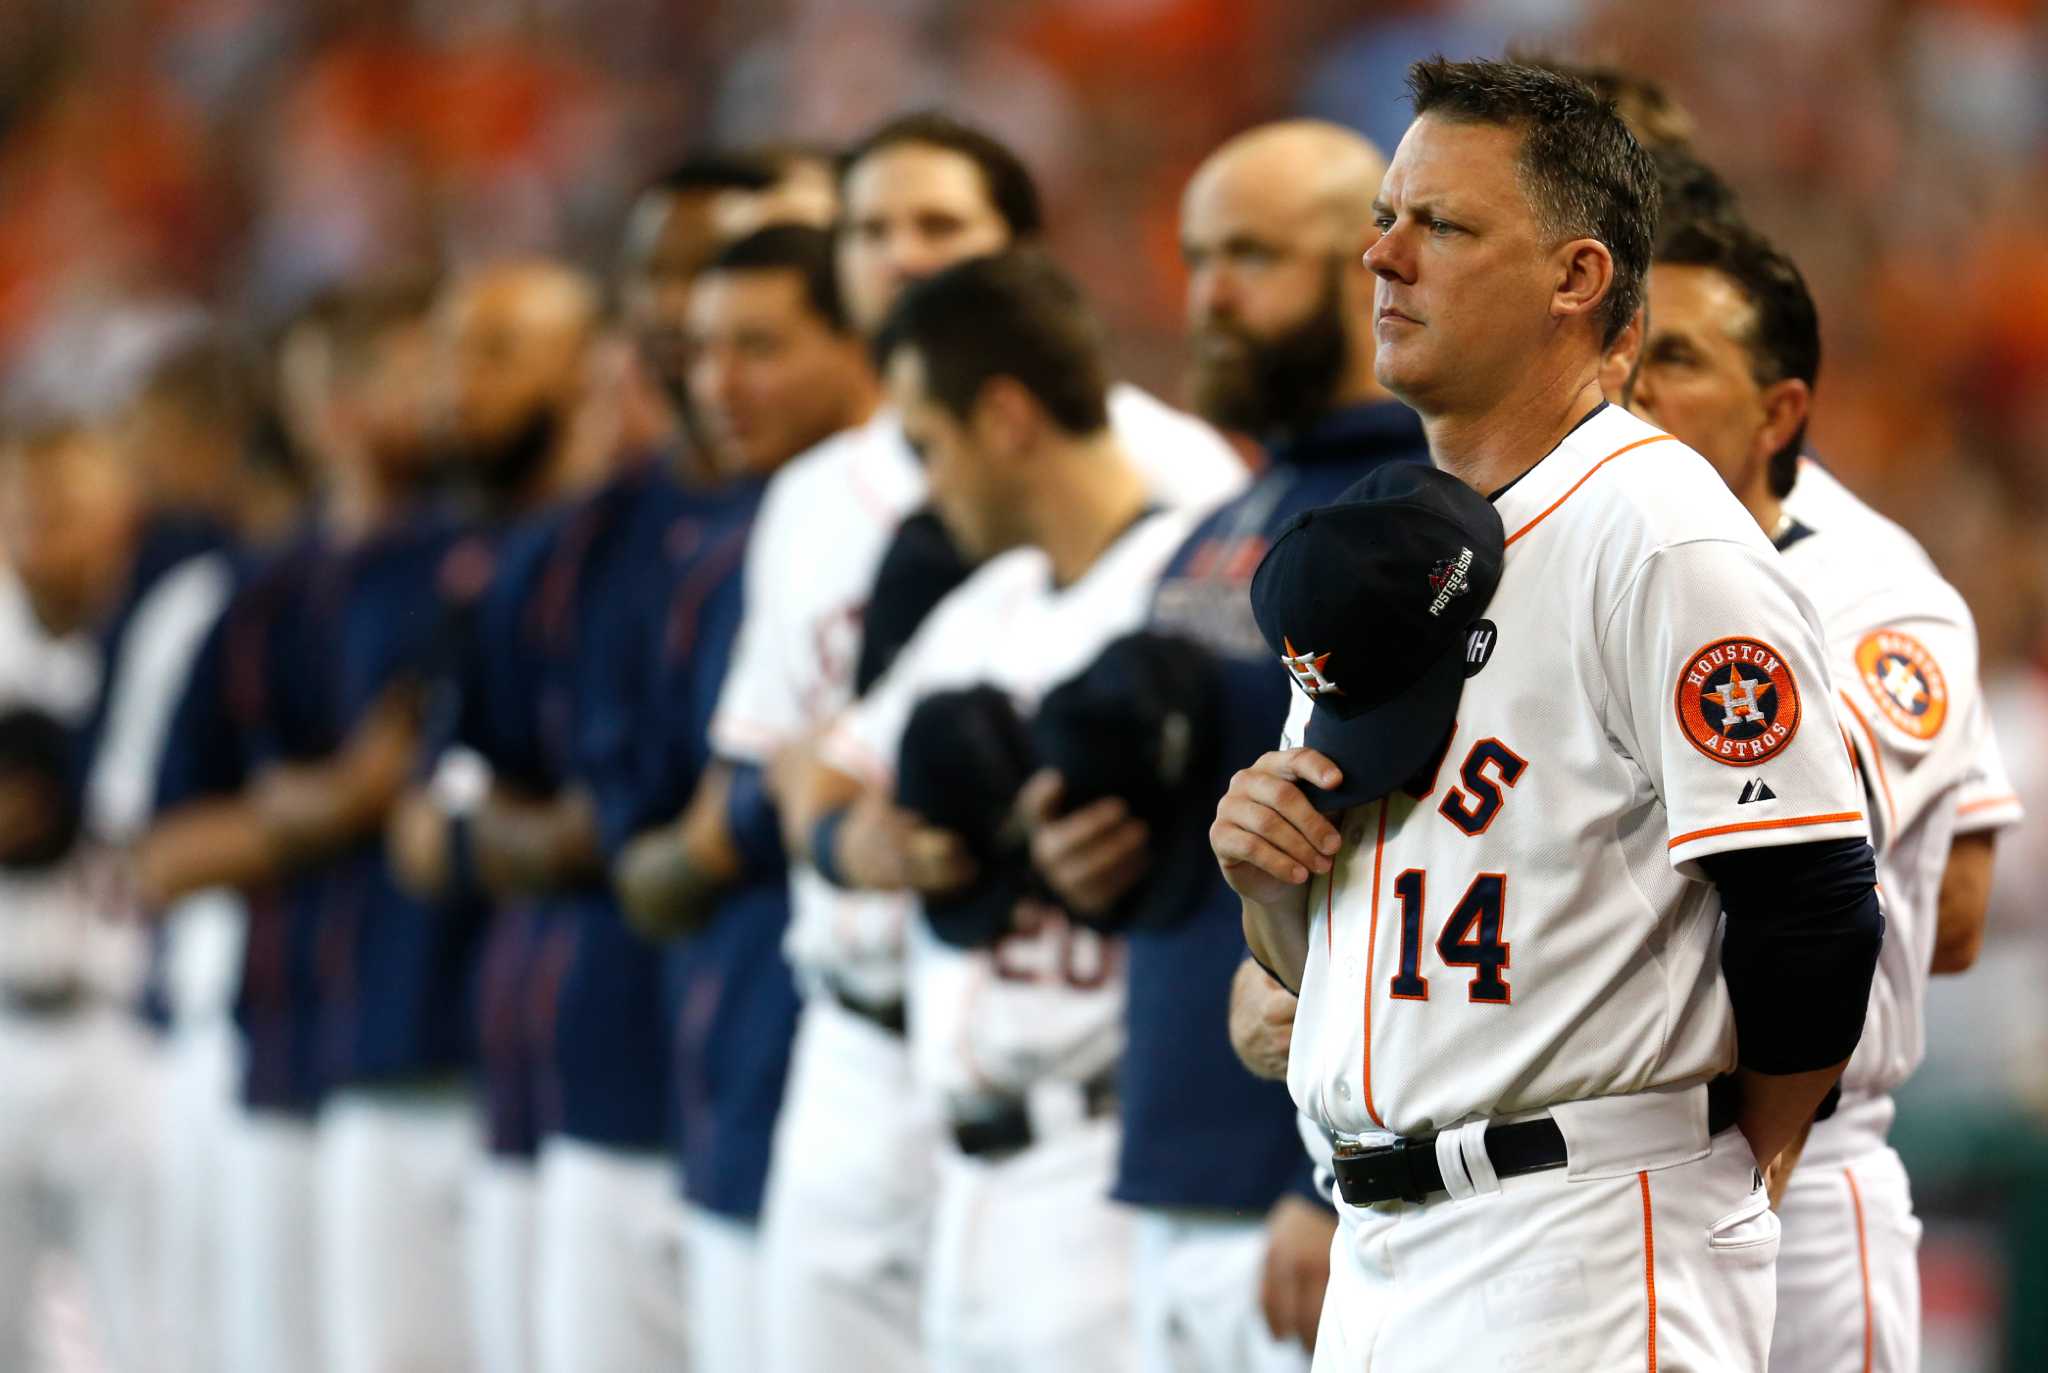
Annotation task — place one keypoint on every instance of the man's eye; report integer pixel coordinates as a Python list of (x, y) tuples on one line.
[(1383, 222), (1441, 227)]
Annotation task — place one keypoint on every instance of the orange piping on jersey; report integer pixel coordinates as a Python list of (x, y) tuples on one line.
[(1986, 803), (1884, 780), (1372, 944), (1839, 817), (1649, 1267), (1862, 1258), (1654, 438)]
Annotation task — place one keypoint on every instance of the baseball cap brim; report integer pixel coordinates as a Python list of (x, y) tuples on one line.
[(1382, 748)]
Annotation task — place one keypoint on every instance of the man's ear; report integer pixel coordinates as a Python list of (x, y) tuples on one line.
[(1785, 405), (1008, 419), (1585, 274)]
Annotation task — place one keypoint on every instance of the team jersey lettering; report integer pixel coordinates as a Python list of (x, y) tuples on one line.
[(1737, 702), (1048, 948), (1471, 938), (1473, 807), (1905, 682)]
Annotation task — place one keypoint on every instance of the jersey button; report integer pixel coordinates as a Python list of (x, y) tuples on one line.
[(1343, 1090)]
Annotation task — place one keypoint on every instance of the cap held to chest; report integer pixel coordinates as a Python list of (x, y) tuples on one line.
[(1370, 602)]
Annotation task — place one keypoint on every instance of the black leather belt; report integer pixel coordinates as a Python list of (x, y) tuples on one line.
[(45, 1002), (1004, 1127), (1407, 1169), (885, 1015)]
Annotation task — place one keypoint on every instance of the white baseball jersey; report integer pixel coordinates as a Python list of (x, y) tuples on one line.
[(823, 527), (1049, 1004), (1903, 648), (1531, 928)]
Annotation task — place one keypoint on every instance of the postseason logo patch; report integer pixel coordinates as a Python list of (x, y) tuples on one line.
[(1905, 681), (1737, 702)]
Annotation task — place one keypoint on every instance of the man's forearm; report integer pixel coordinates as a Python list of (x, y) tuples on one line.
[(205, 844), (524, 846), (1278, 939), (1777, 1108)]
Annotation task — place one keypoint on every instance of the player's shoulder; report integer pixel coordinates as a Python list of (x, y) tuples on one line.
[(1860, 567), (1186, 460), (970, 617), (1618, 485), (868, 467)]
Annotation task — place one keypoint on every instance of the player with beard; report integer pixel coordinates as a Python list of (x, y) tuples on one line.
[(1234, 1245)]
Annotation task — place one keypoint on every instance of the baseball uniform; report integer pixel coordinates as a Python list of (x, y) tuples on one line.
[(262, 708), (1207, 1148), (1523, 932), (1030, 1260), (1903, 648), (64, 1067), (398, 1127), (846, 1237), (730, 1003), (607, 1227), (178, 581)]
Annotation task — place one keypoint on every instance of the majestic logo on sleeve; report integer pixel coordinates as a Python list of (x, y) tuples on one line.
[(1905, 681), (1737, 702), (1308, 670), (1450, 577)]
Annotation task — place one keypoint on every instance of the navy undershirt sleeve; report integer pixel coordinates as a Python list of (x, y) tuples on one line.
[(1803, 934)]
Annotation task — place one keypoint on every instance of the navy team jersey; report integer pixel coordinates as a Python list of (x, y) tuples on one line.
[(593, 615), (392, 971), (1199, 1131), (730, 1002), (256, 696)]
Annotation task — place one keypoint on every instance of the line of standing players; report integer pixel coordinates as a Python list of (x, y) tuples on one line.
[(637, 973)]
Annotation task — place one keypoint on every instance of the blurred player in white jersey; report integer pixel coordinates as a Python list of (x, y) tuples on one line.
[(845, 1236), (1015, 1012), (1728, 364)]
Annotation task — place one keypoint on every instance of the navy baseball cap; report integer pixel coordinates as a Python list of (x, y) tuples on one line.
[(1369, 602), (1141, 723), (964, 757)]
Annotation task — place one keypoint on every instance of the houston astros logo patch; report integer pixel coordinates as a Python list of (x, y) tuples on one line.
[(1905, 681), (1737, 702)]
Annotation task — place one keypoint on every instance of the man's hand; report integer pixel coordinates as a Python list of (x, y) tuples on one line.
[(883, 847), (1090, 858), (1261, 1021), (1297, 1272), (664, 895), (1778, 1175), (1777, 1110), (1268, 839)]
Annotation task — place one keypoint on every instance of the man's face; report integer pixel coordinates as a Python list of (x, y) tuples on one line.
[(768, 377), (671, 238), (1466, 275), (69, 510), (912, 210), (510, 373), (1697, 379), (1268, 296), (390, 400), (966, 489)]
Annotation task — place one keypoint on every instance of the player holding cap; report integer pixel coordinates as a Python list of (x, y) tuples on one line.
[(1728, 366), (1500, 905), (1016, 1019)]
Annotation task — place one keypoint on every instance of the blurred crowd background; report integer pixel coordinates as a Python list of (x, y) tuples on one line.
[(159, 157)]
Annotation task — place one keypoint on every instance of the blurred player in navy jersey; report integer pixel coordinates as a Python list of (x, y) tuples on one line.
[(776, 366), (1234, 1249), (845, 1240)]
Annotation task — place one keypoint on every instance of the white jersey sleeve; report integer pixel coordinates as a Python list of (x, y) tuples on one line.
[(1724, 700), (1988, 801), (760, 706)]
